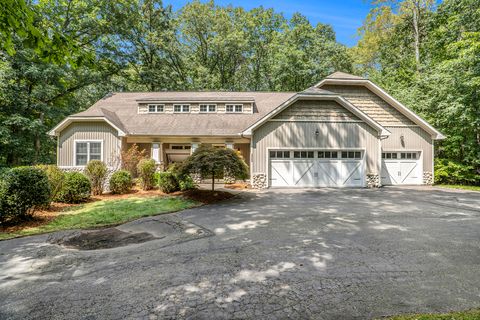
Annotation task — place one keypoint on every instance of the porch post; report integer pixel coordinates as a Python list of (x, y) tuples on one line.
[(156, 152)]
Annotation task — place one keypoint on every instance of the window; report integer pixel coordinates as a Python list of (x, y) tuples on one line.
[(181, 108), (237, 108), (155, 108), (86, 151), (208, 108), (303, 154), (327, 154), (399, 155), (279, 154), (180, 147), (351, 155)]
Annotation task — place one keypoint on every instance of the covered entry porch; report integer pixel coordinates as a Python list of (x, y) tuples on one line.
[(167, 150)]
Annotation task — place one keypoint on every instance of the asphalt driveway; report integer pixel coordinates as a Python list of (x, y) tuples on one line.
[(322, 254)]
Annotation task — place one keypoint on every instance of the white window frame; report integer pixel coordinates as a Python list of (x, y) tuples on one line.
[(182, 108), (88, 141), (156, 108), (208, 108), (234, 108)]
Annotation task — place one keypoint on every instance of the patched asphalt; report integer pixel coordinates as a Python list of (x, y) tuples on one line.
[(313, 253)]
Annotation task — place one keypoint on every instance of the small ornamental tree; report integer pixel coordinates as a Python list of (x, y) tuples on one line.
[(209, 162), (130, 159)]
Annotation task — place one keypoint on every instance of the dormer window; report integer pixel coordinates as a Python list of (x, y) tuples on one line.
[(234, 108), (155, 108), (208, 108), (181, 108)]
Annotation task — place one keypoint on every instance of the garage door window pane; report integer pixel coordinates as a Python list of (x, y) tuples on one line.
[(272, 154), (357, 155), (394, 155), (344, 154), (286, 154), (409, 156), (279, 154), (334, 154), (296, 154), (414, 156), (321, 154), (310, 154), (402, 155)]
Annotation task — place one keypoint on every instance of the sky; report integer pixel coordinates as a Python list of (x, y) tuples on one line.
[(346, 16)]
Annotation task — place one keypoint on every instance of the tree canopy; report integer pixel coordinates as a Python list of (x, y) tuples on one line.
[(428, 57), (210, 162), (59, 57)]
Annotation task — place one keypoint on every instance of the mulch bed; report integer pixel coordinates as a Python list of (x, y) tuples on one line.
[(205, 196), (238, 186)]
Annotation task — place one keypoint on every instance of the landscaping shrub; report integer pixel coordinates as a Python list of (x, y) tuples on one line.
[(186, 182), (76, 188), (146, 170), (121, 182), (451, 172), (22, 191), (131, 158), (167, 182), (55, 178), (96, 171)]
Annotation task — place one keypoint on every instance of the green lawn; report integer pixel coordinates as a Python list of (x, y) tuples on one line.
[(459, 186), (107, 212), (463, 315)]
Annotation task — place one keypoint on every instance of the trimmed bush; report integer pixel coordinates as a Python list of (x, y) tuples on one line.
[(96, 171), (76, 188), (186, 182), (167, 182), (121, 182), (22, 191), (55, 178), (146, 170)]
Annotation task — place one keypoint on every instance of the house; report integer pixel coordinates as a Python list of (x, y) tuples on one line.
[(343, 132)]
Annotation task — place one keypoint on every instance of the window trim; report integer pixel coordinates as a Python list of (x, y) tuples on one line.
[(181, 108), (208, 107), (88, 149), (156, 108), (234, 105)]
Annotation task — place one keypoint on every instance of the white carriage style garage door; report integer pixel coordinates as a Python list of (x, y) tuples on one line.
[(402, 168), (317, 168)]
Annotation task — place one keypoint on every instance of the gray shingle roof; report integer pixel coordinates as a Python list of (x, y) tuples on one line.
[(122, 110), (343, 75)]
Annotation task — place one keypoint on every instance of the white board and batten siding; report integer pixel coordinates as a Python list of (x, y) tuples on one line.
[(88, 131)]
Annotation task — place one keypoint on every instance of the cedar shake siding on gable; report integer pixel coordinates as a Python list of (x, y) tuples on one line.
[(371, 104), (316, 110)]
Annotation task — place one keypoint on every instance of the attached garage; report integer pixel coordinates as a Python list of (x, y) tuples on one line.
[(402, 168), (316, 168)]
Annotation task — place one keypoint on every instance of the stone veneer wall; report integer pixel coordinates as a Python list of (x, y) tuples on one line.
[(373, 180), (427, 178), (259, 181)]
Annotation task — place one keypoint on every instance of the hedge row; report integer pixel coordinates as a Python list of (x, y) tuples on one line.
[(23, 190)]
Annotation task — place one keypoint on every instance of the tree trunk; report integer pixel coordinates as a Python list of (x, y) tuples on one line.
[(213, 181), (416, 34)]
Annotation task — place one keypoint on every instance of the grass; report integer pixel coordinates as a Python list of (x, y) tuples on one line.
[(462, 315), (459, 186), (105, 213)]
